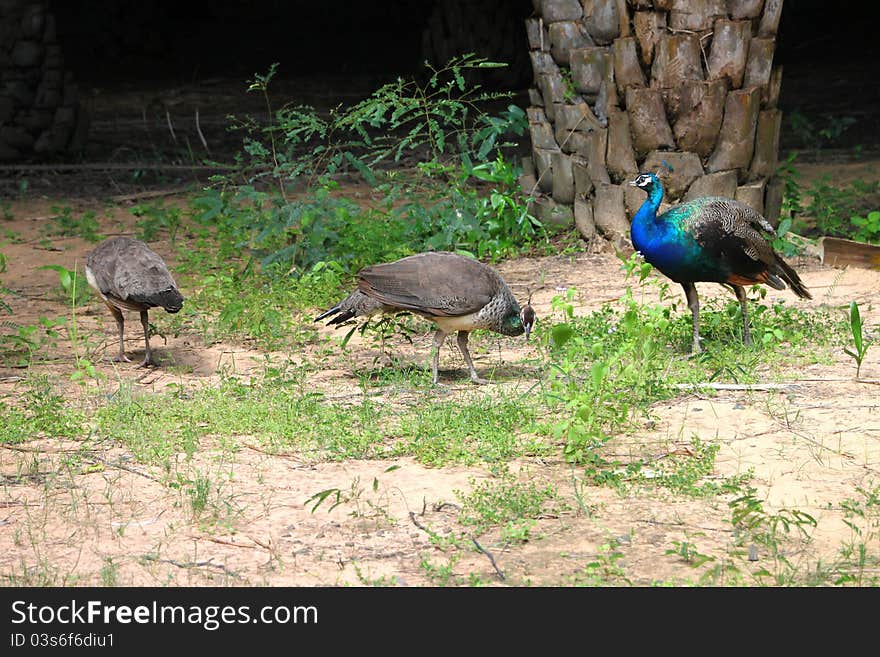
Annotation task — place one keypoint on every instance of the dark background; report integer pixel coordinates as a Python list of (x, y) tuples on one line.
[(134, 58)]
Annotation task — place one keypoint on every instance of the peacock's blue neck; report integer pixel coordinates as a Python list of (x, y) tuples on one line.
[(645, 227)]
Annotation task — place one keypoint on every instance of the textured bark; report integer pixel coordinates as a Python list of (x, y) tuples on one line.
[(563, 180), (543, 158), (695, 15), (589, 68), (752, 194), (730, 48), (609, 213), (773, 200), (649, 26), (552, 91), (647, 120), (627, 71), (721, 183), (540, 129), (583, 183), (736, 140), (676, 60), (760, 63), (583, 219), (688, 82), (774, 87), (603, 21), (576, 116), (686, 168), (740, 9), (538, 34), (560, 10), (765, 158), (696, 109), (597, 145), (40, 113), (770, 18), (556, 217), (620, 159), (566, 36)]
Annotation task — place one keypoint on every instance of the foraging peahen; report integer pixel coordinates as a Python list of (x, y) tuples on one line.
[(457, 293), (712, 239), (130, 276)]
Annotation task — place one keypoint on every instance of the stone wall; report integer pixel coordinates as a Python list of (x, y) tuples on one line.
[(40, 114)]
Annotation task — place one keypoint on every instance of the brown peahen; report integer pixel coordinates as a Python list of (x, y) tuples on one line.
[(455, 292), (130, 276)]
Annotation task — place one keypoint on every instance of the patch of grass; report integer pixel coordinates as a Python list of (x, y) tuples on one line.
[(277, 414), (43, 412), (605, 569), (504, 500), (65, 224), (860, 555), (156, 218), (479, 429), (607, 368)]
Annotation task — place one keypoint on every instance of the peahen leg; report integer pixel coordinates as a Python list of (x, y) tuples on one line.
[(120, 324), (148, 356), (439, 337), (690, 291), (463, 346), (740, 292)]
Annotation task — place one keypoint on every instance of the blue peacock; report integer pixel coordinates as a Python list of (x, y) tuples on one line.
[(712, 239)]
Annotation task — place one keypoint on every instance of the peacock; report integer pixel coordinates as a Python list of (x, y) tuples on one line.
[(712, 239)]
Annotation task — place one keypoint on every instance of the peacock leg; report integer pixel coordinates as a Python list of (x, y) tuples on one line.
[(690, 291), (740, 292)]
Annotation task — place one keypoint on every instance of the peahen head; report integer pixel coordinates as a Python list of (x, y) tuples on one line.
[(520, 323)]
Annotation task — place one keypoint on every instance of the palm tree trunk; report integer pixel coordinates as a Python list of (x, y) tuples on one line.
[(621, 86)]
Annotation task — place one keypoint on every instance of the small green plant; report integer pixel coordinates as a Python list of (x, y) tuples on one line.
[(604, 570), (73, 287), (860, 344), (155, 218), (868, 227), (771, 532), (820, 131), (110, 573), (65, 224), (689, 553), (506, 501)]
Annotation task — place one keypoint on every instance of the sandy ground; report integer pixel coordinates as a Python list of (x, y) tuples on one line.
[(96, 517)]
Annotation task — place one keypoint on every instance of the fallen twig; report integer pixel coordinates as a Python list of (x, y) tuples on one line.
[(127, 468), (412, 516), (737, 386), (208, 563), (122, 198), (490, 557)]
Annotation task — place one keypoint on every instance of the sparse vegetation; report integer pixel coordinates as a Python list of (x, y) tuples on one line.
[(272, 435)]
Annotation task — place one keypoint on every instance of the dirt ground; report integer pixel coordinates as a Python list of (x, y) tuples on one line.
[(811, 444)]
